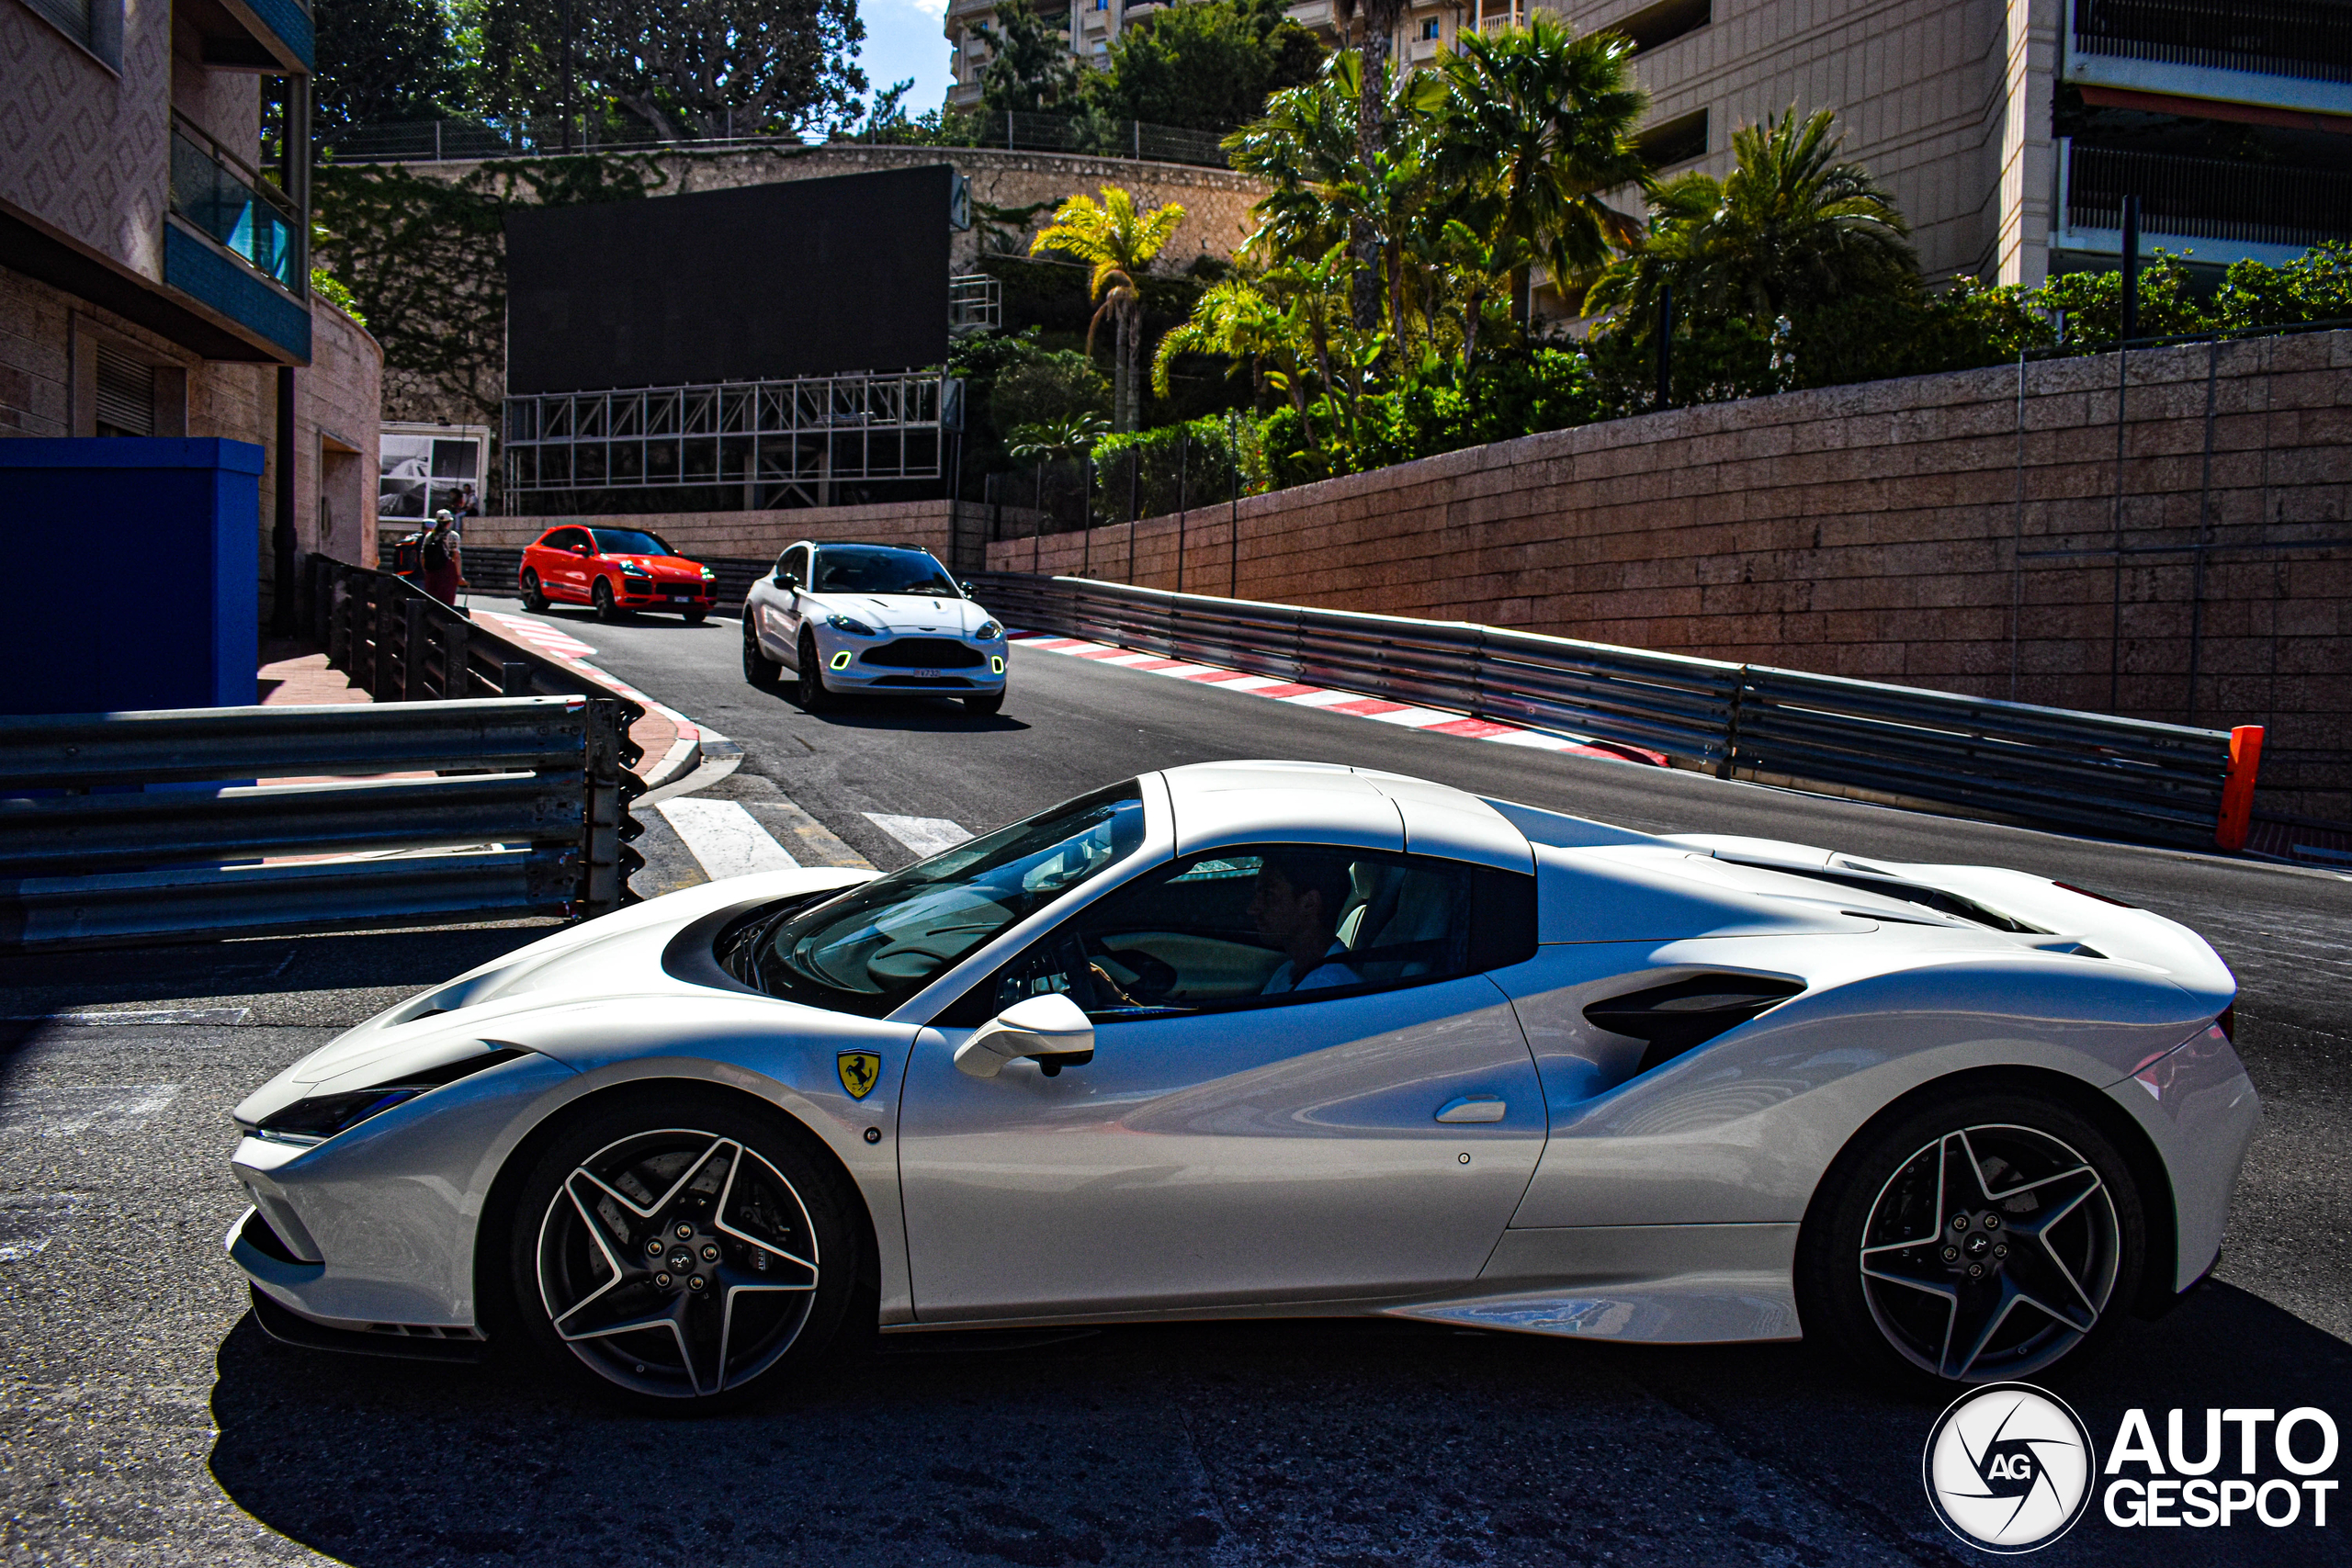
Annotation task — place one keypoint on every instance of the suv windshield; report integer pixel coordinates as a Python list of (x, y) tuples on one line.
[(631, 542), (857, 569), (872, 948)]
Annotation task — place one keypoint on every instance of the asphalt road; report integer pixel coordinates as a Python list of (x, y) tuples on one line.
[(145, 1420)]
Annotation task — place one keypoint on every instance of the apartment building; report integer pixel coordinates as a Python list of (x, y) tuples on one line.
[(2010, 131), (155, 271)]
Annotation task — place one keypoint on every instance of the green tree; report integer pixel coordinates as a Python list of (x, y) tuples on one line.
[(1030, 70), (1790, 229), (1374, 37), (1120, 243), (1545, 120), (1206, 66), (688, 69), (383, 60), (2314, 286)]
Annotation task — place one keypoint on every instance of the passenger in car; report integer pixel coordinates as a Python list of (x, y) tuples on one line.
[(1296, 908)]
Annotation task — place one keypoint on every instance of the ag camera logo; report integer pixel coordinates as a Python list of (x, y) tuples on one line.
[(2008, 1467)]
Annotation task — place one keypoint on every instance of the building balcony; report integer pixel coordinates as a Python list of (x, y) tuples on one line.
[(237, 244), (2286, 54), (251, 35), (2220, 212)]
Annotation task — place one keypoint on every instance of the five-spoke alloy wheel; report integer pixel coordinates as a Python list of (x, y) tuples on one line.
[(684, 1257), (1978, 1242)]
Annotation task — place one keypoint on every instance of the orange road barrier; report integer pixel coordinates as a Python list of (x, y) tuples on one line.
[(2237, 790)]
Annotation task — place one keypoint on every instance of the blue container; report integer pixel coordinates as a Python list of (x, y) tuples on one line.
[(136, 565)]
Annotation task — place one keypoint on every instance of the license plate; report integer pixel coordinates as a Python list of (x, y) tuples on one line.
[(926, 674), (681, 599)]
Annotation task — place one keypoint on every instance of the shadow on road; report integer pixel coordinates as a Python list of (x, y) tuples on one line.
[(1354, 1442), (256, 966)]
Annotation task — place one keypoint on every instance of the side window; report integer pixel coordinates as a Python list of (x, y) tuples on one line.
[(569, 539), (796, 566), (1266, 926)]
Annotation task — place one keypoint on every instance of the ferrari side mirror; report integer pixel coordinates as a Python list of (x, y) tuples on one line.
[(1051, 1028)]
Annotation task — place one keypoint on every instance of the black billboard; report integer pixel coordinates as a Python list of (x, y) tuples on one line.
[(802, 278)]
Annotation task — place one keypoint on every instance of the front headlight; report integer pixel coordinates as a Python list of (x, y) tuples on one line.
[(989, 631), (855, 627), (321, 1116), (708, 575)]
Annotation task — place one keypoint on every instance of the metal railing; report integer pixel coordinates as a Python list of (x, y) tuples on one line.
[(2116, 777), (145, 827), (230, 202), (974, 301), (2209, 198), (802, 435), (438, 141), (2308, 39)]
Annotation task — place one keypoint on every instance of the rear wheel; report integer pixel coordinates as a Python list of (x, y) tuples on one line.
[(758, 668), (602, 597), (534, 596), (683, 1252), (808, 691), (1980, 1240)]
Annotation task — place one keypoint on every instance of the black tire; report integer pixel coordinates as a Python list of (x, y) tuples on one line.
[(607, 610), (985, 705), (695, 617), (758, 668), (2067, 1227), (686, 1173), (534, 596), (809, 688)]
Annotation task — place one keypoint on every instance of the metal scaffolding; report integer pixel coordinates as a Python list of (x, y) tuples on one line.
[(786, 443)]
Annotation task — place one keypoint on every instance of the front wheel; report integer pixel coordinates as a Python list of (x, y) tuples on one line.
[(683, 1252), (808, 691), (534, 596), (985, 705), (758, 668), (602, 597), (695, 617), (1984, 1239)]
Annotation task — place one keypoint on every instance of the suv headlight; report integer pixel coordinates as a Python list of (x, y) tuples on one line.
[(855, 627), (707, 574), (989, 631)]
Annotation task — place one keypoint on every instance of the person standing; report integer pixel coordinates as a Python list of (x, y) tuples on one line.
[(439, 562)]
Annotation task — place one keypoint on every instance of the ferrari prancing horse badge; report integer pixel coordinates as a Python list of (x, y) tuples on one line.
[(860, 1071)]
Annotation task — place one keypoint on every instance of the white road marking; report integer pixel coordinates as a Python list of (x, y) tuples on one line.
[(726, 840), (927, 836), (29, 1221), (63, 1111)]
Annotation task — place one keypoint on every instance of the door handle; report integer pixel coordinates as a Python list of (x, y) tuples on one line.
[(1472, 1108)]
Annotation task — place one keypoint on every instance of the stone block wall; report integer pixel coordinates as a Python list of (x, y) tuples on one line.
[(1985, 532), (751, 536)]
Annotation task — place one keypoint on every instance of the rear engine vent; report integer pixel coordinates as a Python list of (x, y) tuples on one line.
[(1678, 1016)]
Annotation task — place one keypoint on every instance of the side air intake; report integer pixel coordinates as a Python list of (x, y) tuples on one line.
[(1675, 1017)]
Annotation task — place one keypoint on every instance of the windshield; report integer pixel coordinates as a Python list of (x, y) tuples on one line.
[(851, 569), (871, 949), (631, 542)]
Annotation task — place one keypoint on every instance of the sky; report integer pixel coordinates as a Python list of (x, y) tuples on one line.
[(904, 38)]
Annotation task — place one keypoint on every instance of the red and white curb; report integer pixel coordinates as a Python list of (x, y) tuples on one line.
[(565, 648), (1405, 715)]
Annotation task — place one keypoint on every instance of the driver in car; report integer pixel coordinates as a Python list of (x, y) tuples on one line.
[(1296, 907)]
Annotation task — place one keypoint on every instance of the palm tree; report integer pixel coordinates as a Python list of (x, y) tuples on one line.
[(1789, 229), (1547, 119), (1120, 243), (1380, 19)]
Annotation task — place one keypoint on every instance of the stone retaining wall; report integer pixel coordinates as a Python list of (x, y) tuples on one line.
[(1955, 532), (747, 536)]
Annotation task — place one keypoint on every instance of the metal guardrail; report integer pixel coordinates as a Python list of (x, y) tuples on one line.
[(2038, 766), (143, 826), (2309, 38)]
